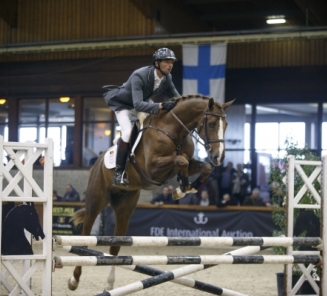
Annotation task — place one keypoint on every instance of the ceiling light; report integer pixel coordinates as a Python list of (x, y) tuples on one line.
[(3, 101), (64, 99), (107, 132), (276, 19)]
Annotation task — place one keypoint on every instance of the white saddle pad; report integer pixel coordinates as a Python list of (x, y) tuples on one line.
[(110, 157)]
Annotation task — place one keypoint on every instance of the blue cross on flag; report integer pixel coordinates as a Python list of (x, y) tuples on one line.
[(204, 70)]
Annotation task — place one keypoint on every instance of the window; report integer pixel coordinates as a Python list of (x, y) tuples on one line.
[(48, 118), (99, 131), (4, 125), (274, 123)]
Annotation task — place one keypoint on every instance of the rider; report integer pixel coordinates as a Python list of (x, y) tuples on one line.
[(135, 96)]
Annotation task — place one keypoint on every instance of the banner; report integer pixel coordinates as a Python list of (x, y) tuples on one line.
[(60, 220), (188, 223), (204, 68)]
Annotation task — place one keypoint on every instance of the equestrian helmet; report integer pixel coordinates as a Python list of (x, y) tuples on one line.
[(163, 54)]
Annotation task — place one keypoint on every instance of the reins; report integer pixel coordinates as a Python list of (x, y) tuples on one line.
[(207, 141)]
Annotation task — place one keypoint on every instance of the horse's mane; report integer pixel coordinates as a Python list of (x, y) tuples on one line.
[(192, 96)]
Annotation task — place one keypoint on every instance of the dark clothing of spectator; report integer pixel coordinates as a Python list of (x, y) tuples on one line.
[(71, 196), (55, 196), (69, 152), (227, 200), (250, 201), (165, 199), (226, 180), (240, 184)]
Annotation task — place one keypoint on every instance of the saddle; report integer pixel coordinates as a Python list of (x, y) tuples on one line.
[(110, 158)]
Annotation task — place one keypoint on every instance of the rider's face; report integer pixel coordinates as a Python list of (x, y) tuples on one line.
[(166, 66)]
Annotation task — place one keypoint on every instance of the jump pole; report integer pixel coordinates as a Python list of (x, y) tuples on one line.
[(185, 281), (175, 260), (145, 241)]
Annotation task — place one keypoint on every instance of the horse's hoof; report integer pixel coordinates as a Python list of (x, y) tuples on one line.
[(178, 194), (72, 284)]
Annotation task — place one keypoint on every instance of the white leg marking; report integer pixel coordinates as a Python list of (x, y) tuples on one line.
[(111, 278)]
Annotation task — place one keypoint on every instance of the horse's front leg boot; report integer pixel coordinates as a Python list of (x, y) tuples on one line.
[(178, 194)]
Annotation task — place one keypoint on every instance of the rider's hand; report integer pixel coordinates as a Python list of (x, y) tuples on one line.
[(168, 105)]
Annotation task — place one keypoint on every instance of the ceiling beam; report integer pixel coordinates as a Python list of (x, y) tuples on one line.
[(9, 12), (248, 15), (316, 11), (172, 15), (162, 42), (212, 1)]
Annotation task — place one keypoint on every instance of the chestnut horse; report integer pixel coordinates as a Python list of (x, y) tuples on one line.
[(165, 149)]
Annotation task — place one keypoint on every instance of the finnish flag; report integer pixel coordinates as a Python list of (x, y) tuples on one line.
[(204, 68)]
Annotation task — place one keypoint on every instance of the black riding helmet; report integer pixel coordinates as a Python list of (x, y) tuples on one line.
[(163, 54)]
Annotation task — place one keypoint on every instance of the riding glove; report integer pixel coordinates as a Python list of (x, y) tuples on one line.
[(168, 105)]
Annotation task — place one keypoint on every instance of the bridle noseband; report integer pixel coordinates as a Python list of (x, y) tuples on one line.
[(207, 141)]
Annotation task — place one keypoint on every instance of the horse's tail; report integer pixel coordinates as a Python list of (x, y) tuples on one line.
[(78, 217)]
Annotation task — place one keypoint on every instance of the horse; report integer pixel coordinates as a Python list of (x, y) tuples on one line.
[(164, 150), (14, 241)]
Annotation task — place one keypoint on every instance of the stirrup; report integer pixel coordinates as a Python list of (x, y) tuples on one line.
[(120, 180)]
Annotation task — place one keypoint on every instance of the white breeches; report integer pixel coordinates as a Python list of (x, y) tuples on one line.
[(123, 118)]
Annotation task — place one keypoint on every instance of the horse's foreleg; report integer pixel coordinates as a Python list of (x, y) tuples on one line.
[(184, 185), (204, 168), (123, 206)]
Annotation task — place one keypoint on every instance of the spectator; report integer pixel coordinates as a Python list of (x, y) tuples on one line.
[(204, 198), (254, 199), (69, 152), (226, 180), (55, 196), (164, 198), (71, 194), (212, 184), (240, 184), (227, 200)]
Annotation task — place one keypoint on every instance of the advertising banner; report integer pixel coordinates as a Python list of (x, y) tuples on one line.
[(187, 223), (60, 220)]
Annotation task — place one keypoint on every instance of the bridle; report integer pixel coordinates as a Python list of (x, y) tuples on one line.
[(207, 141)]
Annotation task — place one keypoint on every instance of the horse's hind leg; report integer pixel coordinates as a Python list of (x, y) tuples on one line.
[(123, 205), (93, 206)]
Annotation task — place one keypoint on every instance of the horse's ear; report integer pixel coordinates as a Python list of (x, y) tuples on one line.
[(211, 103), (228, 104)]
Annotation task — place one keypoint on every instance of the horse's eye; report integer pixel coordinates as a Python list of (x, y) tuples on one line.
[(211, 124)]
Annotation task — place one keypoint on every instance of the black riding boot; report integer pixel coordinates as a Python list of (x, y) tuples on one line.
[(122, 152)]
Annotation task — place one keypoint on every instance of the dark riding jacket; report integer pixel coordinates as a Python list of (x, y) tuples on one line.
[(137, 91)]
